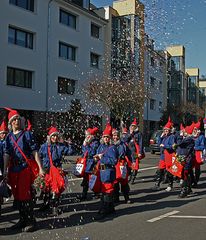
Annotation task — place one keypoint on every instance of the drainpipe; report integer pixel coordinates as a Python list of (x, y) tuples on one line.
[(48, 54)]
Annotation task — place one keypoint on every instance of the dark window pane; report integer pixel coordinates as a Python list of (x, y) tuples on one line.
[(66, 86), (67, 52), (10, 76), (11, 37), (68, 19), (19, 78), (94, 60), (94, 31), (21, 38), (26, 4)]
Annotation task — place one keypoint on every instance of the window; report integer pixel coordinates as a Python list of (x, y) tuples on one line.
[(95, 30), (66, 86), (152, 104), (68, 19), (26, 4), (67, 52), (18, 77), (94, 60), (20, 38), (152, 82)]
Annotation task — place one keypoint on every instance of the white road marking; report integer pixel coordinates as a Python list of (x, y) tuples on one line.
[(162, 216), (145, 169), (179, 216), (141, 170)]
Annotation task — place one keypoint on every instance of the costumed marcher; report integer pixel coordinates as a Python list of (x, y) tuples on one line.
[(135, 143), (89, 150), (124, 160), (185, 154), (20, 160), (166, 142), (199, 147), (107, 155), (3, 133), (51, 153)]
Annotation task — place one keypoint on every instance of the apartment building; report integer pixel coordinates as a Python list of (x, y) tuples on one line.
[(155, 85), (49, 49)]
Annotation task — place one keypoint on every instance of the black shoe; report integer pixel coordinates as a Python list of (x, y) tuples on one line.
[(194, 185), (183, 194)]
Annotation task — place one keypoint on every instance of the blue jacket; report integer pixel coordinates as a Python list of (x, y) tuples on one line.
[(137, 137), (57, 152), (108, 161), (199, 143), (25, 141), (91, 150), (123, 151), (2, 147)]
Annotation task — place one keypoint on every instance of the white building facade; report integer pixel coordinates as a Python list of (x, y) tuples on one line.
[(49, 49)]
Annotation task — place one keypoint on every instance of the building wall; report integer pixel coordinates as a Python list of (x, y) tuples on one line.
[(44, 59)]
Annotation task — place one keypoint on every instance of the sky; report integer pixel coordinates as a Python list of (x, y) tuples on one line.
[(176, 22)]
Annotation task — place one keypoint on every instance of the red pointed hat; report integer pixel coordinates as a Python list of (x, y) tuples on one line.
[(29, 126), (12, 114), (92, 131), (135, 123), (52, 130), (189, 129), (3, 127), (108, 130), (169, 124)]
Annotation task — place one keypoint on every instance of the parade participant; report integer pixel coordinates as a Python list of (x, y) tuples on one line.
[(19, 160), (3, 133), (124, 158), (107, 155), (165, 141), (89, 150), (185, 152), (135, 143), (199, 147), (51, 153)]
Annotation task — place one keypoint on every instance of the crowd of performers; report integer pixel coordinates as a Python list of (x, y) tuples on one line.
[(106, 165)]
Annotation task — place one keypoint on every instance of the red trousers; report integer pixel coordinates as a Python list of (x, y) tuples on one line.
[(21, 184)]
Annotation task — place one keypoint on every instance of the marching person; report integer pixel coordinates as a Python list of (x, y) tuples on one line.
[(185, 150), (3, 133), (89, 150), (19, 159), (199, 147), (124, 158), (107, 155), (165, 142), (135, 143), (51, 153)]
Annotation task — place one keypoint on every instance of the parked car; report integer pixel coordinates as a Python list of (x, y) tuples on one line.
[(154, 147)]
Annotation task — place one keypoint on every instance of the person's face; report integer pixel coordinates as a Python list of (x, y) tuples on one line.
[(54, 138), (16, 123), (115, 137), (166, 131), (2, 136), (106, 139), (133, 127)]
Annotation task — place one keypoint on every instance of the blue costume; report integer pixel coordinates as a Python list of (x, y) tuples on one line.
[(90, 150), (26, 143), (58, 150)]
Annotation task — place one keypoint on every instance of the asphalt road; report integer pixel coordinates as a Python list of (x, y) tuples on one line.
[(153, 215)]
